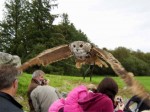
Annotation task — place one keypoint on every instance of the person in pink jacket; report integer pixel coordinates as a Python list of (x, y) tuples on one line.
[(57, 106), (82, 100), (70, 104), (103, 100)]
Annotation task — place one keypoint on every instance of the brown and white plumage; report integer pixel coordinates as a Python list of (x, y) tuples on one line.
[(86, 53), (83, 51), (48, 56)]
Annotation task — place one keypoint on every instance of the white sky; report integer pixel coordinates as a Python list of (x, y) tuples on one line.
[(110, 23)]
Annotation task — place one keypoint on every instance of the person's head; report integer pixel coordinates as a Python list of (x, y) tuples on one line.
[(109, 87), (38, 75), (92, 87), (8, 79)]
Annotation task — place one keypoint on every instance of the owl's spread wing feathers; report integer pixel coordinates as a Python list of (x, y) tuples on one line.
[(101, 54), (128, 77), (48, 56), (134, 86)]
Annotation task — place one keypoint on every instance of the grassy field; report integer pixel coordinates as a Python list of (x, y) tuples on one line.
[(66, 83)]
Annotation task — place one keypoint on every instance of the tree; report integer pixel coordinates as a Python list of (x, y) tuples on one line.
[(10, 25), (69, 31), (28, 29), (136, 65), (25, 25)]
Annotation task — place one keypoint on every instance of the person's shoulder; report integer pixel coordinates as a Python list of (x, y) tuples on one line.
[(45, 87), (77, 90), (40, 88), (35, 90), (3, 100), (105, 98), (9, 104)]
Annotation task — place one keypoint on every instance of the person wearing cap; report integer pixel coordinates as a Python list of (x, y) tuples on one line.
[(8, 89)]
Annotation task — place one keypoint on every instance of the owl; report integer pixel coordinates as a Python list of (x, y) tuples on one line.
[(84, 52)]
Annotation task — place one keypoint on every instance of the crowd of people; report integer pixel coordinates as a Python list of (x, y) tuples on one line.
[(44, 98)]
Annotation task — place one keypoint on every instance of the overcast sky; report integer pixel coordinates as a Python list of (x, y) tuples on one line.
[(110, 23)]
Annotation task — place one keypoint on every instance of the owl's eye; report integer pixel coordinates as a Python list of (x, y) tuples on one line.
[(81, 45), (74, 45)]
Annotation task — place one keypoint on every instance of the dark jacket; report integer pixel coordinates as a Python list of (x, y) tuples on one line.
[(9, 104), (34, 83), (96, 102)]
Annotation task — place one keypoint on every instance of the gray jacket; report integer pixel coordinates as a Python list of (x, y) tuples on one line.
[(43, 96)]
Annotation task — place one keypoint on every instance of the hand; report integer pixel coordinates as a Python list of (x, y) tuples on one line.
[(45, 82), (118, 99), (120, 106)]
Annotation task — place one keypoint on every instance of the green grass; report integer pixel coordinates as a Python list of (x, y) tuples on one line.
[(67, 83), (145, 81)]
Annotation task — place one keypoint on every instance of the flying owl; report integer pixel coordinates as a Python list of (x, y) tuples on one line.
[(84, 52)]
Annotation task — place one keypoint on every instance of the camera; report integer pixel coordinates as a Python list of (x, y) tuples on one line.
[(119, 100), (44, 82)]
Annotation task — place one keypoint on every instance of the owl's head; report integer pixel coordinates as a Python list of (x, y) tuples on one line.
[(80, 48)]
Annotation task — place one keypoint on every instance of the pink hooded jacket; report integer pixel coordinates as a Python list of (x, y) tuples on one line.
[(96, 102), (71, 102), (57, 105)]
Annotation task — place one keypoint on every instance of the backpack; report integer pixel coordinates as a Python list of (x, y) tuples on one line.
[(142, 104)]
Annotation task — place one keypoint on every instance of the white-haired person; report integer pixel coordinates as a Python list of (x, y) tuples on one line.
[(37, 79), (40, 94)]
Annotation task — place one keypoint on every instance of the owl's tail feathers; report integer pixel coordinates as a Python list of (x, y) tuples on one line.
[(34, 61)]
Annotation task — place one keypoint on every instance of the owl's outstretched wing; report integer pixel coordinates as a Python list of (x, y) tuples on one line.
[(128, 77), (100, 54), (135, 87), (48, 56)]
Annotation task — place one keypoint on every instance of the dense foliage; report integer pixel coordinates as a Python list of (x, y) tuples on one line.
[(27, 29), (136, 62)]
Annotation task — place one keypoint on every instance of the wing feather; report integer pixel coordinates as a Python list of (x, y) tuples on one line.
[(135, 87), (127, 77), (48, 56), (101, 53)]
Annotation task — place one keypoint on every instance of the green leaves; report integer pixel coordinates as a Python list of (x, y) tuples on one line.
[(136, 62)]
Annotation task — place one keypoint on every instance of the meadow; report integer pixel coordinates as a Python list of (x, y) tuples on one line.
[(67, 83)]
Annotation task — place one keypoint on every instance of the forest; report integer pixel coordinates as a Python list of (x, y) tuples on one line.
[(27, 29)]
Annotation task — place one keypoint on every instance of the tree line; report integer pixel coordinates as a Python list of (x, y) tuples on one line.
[(27, 29)]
